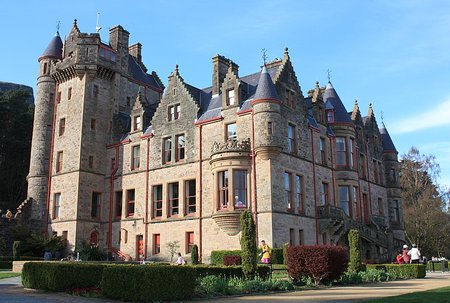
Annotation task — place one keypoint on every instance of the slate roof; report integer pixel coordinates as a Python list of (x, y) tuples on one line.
[(266, 88), (386, 140), (311, 120), (332, 100), (137, 73), (54, 48)]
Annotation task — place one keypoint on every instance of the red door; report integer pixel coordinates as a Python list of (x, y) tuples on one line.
[(139, 247)]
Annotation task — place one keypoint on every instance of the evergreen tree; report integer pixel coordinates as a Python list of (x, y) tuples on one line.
[(194, 254), (248, 244), (354, 242)]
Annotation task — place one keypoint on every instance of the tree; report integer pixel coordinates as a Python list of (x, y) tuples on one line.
[(354, 243), (173, 247), (248, 244), (427, 223), (16, 125), (194, 254)]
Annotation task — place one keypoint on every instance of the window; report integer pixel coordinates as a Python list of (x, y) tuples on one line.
[(380, 173), (45, 68), (351, 149), (299, 193), (173, 112), (223, 189), (344, 199), (231, 132), (69, 93), (107, 53), (96, 204), (324, 199), (137, 123), (156, 244), (330, 116), (189, 241), (269, 128), (393, 175), (62, 126), (59, 161), (135, 157), (130, 202), (157, 201), (301, 237), (190, 196), (56, 205), (113, 163), (355, 210), (240, 188), (362, 166), (291, 139), (322, 145), (180, 148), (91, 162), (93, 124), (380, 207), (395, 212), (167, 150), (118, 204), (174, 198), (375, 171), (291, 236), (288, 190), (58, 97), (340, 151), (95, 91), (230, 97)]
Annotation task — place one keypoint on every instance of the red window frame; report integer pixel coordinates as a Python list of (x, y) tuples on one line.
[(299, 195), (351, 150), (190, 196), (62, 126), (341, 151), (56, 205), (167, 150), (59, 161), (189, 241), (325, 194), (240, 188), (137, 122), (180, 148), (131, 201), (173, 199), (222, 188), (344, 202), (156, 244), (157, 201), (135, 157), (231, 131), (231, 98), (288, 190)]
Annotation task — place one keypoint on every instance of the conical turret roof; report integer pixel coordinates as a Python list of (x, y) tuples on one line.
[(388, 145), (54, 48), (266, 89), (332, 100)]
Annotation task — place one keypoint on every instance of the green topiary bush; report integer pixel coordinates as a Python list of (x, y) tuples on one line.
[(401, 271), (248, 244), (354, 242), (217, 255), (194, 254), (148, 283)]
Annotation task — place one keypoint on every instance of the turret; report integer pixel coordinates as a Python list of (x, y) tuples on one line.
[(42, 129)]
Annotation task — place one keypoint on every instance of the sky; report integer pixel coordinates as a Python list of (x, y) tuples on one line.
[(393, 54)]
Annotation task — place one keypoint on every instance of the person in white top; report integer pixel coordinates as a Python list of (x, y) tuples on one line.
[(180, 260), (415, 254)]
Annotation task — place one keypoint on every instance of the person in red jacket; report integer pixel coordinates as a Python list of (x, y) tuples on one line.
[(406, 257), (399, 258)]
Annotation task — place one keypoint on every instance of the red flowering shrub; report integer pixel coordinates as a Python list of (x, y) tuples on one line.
[(230, 260), (318, 262)]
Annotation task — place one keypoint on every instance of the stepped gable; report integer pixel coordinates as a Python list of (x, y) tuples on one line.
[(388, 144), (332, 101)]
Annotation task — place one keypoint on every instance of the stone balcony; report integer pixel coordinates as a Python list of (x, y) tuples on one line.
[(231, 150)]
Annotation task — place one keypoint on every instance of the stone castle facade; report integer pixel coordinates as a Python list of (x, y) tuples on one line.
[(121, 161)]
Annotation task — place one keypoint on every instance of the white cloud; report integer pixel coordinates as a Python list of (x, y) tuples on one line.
[(437, 116)]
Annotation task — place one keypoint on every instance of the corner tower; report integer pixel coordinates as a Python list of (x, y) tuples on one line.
[(42, 129)]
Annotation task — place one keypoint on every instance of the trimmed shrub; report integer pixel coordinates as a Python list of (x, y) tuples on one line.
[(321, 262), (148, 283), (6, 265), (232, 260), (228, 272), (401, 271), (17, 250), (354, 242), (248, 244), (194, 254), (218, 255), (277, 256), (61, 276)]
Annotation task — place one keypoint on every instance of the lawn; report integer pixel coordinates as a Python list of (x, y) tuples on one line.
[(441, 295), (4, 275)]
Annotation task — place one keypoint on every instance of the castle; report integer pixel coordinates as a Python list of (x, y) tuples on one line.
[(121, 161)]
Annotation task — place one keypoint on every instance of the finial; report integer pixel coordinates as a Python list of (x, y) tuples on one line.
[(74, 22), (98, 27), (58, 24), (317, 84), (286, 50), (176, 69), (264, 55), (329, 75), (356, 102)]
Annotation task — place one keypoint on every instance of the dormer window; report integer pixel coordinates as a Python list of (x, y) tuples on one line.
[(137, 123), (107, 53), (330, 116), (230, 97), (173, 112), (231, 132)]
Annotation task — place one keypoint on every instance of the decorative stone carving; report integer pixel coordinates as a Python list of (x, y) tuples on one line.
[(231, 145), (229, 221)]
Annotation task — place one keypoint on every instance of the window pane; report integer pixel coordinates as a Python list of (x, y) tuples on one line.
[(240, 188), (190, 188), (223, 189), (340, 151), (231, 131), (287, 188), (344, 199)]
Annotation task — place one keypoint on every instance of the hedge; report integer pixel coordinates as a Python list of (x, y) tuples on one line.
[(319, 262), (148, 283), (402, 271), (217, 256), (6, 265), (262, 271), (230, 260), (6, 262), (61, 276), (436, 265)]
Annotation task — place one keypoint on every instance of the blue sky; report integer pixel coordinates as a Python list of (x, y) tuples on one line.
[(394, 54)]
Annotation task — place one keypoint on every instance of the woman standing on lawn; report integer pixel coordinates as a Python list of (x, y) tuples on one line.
[(265, 252)]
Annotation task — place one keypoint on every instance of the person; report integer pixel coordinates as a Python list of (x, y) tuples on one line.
[(180, 260), (406, 257), (265, 252), (8, 215), (399, 258), (414, 253)]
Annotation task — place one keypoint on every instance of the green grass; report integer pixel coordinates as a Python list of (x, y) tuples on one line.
[(438, 295), (4, 275)]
